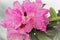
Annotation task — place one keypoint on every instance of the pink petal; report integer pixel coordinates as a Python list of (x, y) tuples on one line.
[(40, 19), (13, 12), (39, 4), (17, 5), (42, 12), (28, 27), (15, 35), (30, 6)]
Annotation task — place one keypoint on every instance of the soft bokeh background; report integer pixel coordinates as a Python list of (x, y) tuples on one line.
[(6, 3)]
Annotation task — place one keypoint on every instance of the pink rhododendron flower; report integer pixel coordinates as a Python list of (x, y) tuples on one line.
[(16, 35), (21, 19), (15, 19), (23, 16), (36, 11)]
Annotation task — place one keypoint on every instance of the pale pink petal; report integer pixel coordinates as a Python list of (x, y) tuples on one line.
[(28, 6), (16, 35), (18, 6), (39, 4), (42, 12), (13, 18), (13, 12)]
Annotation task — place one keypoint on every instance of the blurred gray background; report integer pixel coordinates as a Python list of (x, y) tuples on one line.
[(6, 3)]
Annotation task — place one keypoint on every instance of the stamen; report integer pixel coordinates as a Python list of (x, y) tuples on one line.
[(25, 14)]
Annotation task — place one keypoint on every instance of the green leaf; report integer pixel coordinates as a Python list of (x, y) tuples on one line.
[(57, 25), (39, 35), (54, 25), (32, 36), (53, 13), (54, 18), (51, 33), (57, 36), (51, 24), (42, 36)]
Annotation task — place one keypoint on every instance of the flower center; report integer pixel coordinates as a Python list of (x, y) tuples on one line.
[(22, 25), (25, 16)]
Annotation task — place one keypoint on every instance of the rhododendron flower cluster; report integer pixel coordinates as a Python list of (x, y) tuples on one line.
[(22, 18)]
